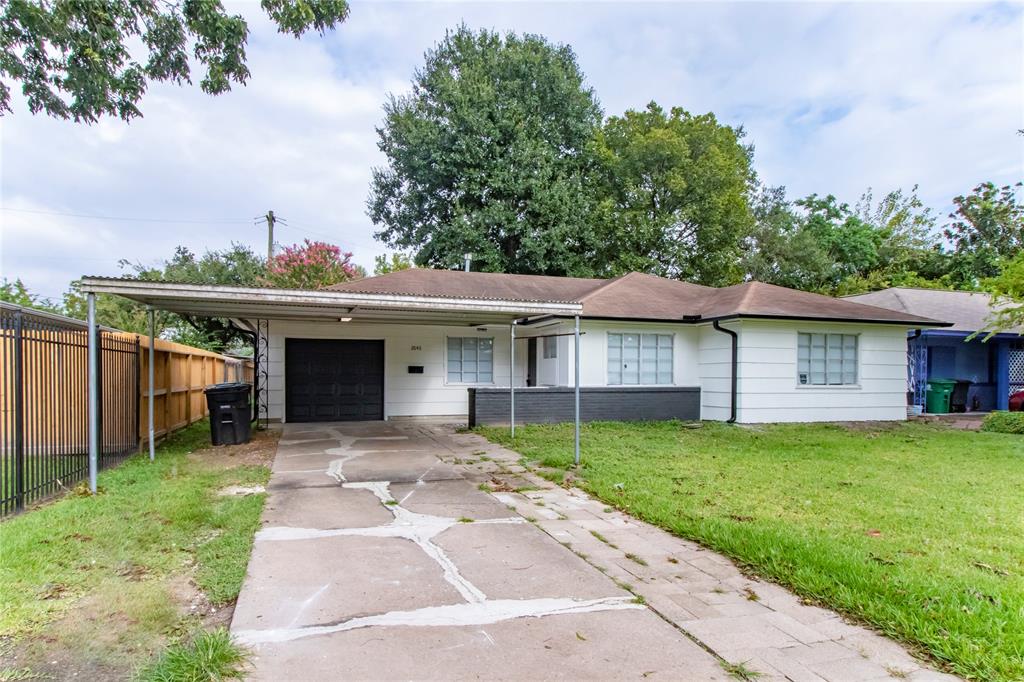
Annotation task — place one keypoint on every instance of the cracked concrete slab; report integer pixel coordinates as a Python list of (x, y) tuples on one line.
[(453, 498), (399, 467), (327, 580), (324, 507), (610, 645), (520, 563), (365, 568)]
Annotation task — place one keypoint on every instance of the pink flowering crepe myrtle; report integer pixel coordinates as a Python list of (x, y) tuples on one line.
[(310, 265)]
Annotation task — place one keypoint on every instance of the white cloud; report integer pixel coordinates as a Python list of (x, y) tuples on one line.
[(835, 97)]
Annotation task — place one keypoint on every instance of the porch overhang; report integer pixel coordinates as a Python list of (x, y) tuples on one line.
[(322, 305)]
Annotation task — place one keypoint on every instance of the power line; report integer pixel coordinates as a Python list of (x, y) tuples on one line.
[(126, 219), (333, 238)]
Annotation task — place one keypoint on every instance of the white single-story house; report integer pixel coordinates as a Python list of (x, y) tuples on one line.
[(424, 343)]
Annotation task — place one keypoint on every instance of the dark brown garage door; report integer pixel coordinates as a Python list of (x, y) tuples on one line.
[(333, 380)]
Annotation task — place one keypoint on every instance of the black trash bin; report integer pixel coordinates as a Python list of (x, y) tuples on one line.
[(229, 413)]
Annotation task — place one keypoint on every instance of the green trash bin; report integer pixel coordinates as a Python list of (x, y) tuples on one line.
[(936, 400)]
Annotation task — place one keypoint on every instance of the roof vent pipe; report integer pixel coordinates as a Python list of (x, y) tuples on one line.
[(466, 259), (735, 363)]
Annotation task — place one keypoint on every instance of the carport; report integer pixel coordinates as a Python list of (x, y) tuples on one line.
[(251, 309)]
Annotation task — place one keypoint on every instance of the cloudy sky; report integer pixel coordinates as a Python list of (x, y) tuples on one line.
[(835, 98)]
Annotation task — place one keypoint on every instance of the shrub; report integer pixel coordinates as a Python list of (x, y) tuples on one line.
[(1004, 422)]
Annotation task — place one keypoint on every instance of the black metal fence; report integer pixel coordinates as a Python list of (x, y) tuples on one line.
[(44, 427)]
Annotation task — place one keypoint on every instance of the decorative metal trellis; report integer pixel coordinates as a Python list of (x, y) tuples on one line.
[(917, 370), (1016, 367), (262, 373)]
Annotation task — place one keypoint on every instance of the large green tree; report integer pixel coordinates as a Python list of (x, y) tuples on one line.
[(779, 250), (488, 154), (986, 229), (84, 59), (673, 195)]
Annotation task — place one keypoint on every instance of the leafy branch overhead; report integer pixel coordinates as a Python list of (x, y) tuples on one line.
[(76, 59)]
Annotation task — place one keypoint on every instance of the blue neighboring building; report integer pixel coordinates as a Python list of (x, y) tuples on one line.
[(995, 367)]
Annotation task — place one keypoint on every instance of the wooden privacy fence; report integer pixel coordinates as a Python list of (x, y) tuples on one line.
[(180, 373), (44, 413)]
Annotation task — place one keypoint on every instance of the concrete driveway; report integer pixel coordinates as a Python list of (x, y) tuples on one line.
[(408, 551), (376, 560)]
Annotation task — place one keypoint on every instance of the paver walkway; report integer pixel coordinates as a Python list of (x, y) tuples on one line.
[(380, 558)]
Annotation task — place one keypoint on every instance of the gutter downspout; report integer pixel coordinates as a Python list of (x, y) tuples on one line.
[(735, 367)]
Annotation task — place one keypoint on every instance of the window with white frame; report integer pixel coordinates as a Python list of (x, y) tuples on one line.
[(471, 360), (826, 359), (644, 359), (550, 347)]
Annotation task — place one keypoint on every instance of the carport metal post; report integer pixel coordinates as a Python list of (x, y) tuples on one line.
[(512, 378), (94, 391), (576, 393), (150, 390)]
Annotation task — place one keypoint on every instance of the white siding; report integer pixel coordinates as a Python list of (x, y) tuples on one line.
[(769, 390), (715, 369), (405, 395)]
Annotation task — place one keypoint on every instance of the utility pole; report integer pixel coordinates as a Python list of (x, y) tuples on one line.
[(270, 220)]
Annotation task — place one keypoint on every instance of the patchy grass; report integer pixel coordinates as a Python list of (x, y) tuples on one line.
[(211, 656), (95, 586), (915, 529)]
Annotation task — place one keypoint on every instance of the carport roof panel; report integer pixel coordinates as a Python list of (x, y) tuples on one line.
[(274, 303)]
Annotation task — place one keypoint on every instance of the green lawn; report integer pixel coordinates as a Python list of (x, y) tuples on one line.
[(915, 529), (105, 580)]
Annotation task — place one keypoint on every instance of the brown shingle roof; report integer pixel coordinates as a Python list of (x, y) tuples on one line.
[(479, 285), (635, 296), (757, 299), (641, 296)]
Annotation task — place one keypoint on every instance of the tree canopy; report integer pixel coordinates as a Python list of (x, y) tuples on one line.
[(672, 195), (986, 229), (84, 59), (383, 264), (489, 154), (17, 293), (1007, 291)]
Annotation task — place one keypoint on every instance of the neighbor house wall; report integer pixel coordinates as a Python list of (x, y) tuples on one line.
[(768, 385), (405, 395)]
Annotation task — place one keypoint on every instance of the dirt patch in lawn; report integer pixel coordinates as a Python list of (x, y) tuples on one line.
[(257, 452), (133, 607), (109, 633)]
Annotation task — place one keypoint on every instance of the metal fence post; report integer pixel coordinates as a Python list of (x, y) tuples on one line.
[(94, 392), (576, 395), (512, 379), (149, 389), (19, 416)]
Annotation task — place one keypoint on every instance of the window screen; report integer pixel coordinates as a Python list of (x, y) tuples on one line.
[(639, 359), (827, 359), (471, 360)]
